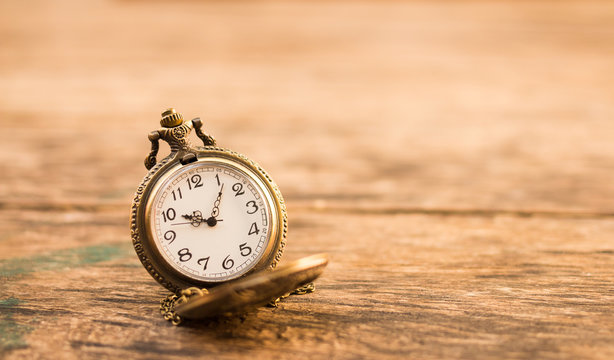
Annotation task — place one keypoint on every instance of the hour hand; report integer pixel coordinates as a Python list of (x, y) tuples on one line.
[(196, 218)]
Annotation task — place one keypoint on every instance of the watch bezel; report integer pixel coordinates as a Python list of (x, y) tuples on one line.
[(144, 241)]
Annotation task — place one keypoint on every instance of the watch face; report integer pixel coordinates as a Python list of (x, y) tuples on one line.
[(211, 220)]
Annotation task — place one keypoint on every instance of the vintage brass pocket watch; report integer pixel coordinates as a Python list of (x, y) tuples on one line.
[(210, 225)]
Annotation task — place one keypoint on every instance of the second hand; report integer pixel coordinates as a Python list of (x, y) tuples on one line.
[(201, 221)]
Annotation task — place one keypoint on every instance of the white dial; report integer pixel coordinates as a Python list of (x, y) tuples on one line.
[(211, 221)]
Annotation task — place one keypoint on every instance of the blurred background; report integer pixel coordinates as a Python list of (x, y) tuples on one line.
[(418, 104)]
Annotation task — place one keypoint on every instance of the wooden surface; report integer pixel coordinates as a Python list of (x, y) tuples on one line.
[(455, 159)]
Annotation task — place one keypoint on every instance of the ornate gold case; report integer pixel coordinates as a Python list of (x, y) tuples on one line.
[(142, 237)]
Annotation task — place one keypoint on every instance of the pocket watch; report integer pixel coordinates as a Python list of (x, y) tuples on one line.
[(210, 225)]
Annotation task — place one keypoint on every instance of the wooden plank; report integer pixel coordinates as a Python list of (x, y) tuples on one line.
[(440, 287)]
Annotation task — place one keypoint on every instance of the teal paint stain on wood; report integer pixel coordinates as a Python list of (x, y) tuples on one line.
[(11, 332), (64, 259)]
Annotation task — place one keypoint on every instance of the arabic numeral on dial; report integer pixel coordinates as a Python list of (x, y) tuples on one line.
[(169, 214), (238, 187), (184, 254), (170, 236), (251, 205), (178, 195), (245, 250), (253, 229), (228, 263), (194, 182), (205, 260)]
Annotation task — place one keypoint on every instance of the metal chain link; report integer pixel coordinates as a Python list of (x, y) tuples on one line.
[(305, 289), (167, 305)]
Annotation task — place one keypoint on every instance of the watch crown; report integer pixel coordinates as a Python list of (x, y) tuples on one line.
[(171, 118)]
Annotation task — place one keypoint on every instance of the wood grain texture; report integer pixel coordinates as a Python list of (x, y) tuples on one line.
[(455, 159)]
